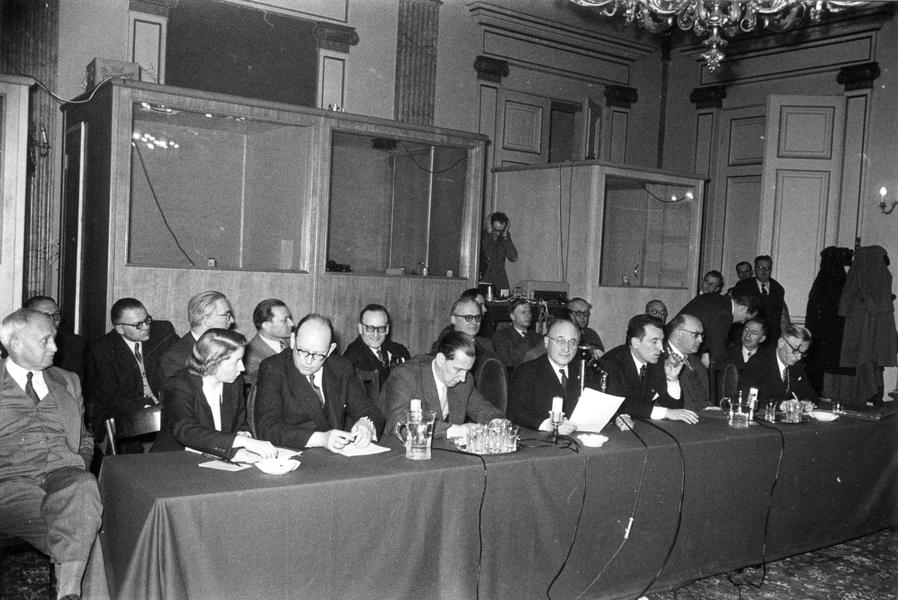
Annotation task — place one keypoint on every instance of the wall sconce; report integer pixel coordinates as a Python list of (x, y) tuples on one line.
[(39, 146), (882, 202)]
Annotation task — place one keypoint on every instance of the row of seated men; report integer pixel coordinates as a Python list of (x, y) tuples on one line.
[(306, 395)]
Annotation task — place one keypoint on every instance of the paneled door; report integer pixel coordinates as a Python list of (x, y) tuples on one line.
[(801, 183), (522, 129)]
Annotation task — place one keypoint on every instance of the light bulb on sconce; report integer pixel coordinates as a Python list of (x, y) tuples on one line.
[(882, 202)]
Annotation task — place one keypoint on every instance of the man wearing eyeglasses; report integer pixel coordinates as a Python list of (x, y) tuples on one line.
[(69, 346), (780, 374), (712, 283), (204, 311), (310, 397), (684, 337), (555, 373), (274, 323), (771, 296), (580, 311), (651, 388), (124, 367), (373, 349)]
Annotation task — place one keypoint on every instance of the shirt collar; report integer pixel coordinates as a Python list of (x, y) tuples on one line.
[(639, 364), (273, 344), (20, 373)]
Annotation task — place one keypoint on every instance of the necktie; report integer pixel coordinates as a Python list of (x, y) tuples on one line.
[(147, 392), (563, 378), (284, 344), (317, 389), (382, 356), (29, 389), (642, 373), (763, 289)]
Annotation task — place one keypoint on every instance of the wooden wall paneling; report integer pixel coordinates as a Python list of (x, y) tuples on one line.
[(522, 135), (616, 126), (705, 156), (743, 210), (801, 185), (14, 150), (850, 214)]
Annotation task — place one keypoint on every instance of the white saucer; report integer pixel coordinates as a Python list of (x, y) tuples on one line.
[(277, 466), (593, 440), (823, 415)]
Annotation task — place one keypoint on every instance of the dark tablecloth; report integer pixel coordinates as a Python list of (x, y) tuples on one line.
[(386, 527)]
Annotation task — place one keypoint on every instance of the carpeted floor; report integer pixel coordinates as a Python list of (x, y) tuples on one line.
[(862, 569)]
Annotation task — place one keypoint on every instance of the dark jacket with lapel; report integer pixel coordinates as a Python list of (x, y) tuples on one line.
[(762, 371), (623, 380), (535, 383), (364, 359)]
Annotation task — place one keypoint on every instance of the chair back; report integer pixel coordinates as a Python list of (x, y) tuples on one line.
[(491, 380), (251, 410), (141, 422), (370, 381)]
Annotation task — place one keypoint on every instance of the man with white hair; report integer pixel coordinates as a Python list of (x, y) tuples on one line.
[(47, 495)]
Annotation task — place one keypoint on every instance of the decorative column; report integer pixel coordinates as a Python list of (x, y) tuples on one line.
[(416, 60), (490, 72), (147, 36), (334, 42), (616, 118), (29, 37), (858, 83)]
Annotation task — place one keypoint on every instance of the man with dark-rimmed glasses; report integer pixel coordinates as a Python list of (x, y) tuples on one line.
[(374, 349), (311, 397), (123, 371)]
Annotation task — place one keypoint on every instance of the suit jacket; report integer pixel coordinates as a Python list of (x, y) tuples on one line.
[(762, 372), (70, 353), (175, 358), (187, 419), (771, 305), (694, 386), (363, 359), (114, 387), (511, 346), (288, 411), (623, 380), (18, 460), (716, 314), (415, 379), (535, 383), (257, 350)]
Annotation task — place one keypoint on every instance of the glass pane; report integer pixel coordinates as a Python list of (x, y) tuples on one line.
[(216, 190), (395, 204), (645, 233)]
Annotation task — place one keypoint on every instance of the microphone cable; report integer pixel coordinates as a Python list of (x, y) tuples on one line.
[(645, 460), (679, 504), (574, 445), (776, 477)]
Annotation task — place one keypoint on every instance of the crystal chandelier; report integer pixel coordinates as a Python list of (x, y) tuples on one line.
[(716, 19)]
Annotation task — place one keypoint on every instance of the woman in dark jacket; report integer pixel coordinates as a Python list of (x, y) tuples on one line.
[(203, 405)]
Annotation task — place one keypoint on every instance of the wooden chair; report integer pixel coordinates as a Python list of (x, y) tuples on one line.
[(142, 422), (251, 410), (370, 381), (491, 380)]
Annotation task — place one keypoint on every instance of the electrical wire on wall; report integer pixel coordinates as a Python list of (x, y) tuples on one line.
[(146, 175), (93, 92), (433, 171), (564, 233)]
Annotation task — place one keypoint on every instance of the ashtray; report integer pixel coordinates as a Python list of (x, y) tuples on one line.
[(823, 415), (277, 466), (593, 440)]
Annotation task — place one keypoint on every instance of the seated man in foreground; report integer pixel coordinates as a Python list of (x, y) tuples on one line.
[(311, 397), (443, 386), (779, 375), (555, 373), (650, 389), (47, 496)]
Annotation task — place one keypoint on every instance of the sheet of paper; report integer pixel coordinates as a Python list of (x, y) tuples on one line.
[(351, 450), (288, 453), (594, 410), (223, 465)]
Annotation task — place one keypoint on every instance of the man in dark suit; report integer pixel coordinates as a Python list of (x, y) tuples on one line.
[(69, 346), (443, 386), (373, 349), (754, 332), (650, 389), (780, 374), (769, 294), (124, 372), (580, 311), (555, 373), (311, 397), (204, 311), (684, 337), (47, 495), (513, 342), (274, 323)]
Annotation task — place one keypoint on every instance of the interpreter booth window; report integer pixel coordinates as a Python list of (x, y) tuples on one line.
[(217, 191), (396, 206), (646, 233)]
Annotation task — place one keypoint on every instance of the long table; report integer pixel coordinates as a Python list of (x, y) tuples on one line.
[(506, 526)]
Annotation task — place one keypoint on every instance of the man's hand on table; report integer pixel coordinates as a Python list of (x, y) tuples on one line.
[(681, 414)]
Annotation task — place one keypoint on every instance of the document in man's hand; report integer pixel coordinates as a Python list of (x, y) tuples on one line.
[(353, 450), (594, 410)]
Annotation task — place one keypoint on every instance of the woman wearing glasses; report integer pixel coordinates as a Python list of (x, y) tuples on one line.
[(203, 405)]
